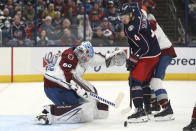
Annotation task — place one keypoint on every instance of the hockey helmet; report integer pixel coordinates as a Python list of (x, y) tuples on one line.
[(125, 9), (84, 51)]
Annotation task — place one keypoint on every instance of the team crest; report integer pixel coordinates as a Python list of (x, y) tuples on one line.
[(70, 56), (130, 28)]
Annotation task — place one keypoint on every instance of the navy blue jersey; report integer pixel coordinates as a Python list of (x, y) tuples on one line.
[(141, 38)]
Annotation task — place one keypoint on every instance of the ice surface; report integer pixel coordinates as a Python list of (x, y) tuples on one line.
[(20, 102)]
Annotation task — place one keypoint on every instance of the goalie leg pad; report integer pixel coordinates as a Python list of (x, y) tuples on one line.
[(68, 113), (102, 111)]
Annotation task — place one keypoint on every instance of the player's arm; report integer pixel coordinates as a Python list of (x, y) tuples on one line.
[(152, 21)]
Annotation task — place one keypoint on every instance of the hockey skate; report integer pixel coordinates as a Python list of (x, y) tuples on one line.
[(42, 118), (148, 109), (165, 114), (139, 116), (155, 107), (191, 126)]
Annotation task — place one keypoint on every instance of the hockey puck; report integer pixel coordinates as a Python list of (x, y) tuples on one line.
[(125, 123)]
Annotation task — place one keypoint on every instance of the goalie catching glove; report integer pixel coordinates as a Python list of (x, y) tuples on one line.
[(117, 57)]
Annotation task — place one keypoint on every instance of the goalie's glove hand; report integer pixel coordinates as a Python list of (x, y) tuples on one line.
[(79, 91), (131, 62), (117, 58)]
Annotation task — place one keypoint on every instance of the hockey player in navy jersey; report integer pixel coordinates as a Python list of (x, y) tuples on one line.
[(144, 56), (74, 104)]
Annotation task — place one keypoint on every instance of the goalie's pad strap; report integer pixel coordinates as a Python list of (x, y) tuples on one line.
[(59, 110), (102, 106)]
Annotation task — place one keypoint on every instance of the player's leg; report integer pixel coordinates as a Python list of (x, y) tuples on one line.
[(137, 98), (140, 74), (66, 113), (155, 106), (70, 105), (161, 93), (147, 96), (192, 125), (61, 96)]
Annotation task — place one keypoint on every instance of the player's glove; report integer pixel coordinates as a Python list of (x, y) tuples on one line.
[(79, 91), (131, 62)]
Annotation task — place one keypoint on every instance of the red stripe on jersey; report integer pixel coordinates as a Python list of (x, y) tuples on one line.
[(168, 51)]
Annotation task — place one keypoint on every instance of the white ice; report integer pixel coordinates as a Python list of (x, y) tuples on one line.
[(20, 102)]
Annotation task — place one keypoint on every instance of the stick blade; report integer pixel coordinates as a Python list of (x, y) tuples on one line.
[(119, 99)]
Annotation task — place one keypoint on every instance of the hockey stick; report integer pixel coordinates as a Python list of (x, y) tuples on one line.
[(128, 109), (116, 104)]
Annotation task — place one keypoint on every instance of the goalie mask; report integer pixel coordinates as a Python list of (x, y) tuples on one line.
[(84, 51)]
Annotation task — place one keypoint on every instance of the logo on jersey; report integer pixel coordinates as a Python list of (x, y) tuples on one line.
[(130, 28), (67, 65), (70, 56)]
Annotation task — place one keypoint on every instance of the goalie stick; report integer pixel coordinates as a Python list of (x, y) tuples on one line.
[(116, 104), (128, 109)]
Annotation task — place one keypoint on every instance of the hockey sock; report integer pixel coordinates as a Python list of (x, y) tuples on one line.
[(164, 103), (153, 96), (146, 94), (162, 97), (137, 96)]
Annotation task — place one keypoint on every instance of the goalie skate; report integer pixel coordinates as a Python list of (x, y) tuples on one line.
[(41, 119), (138, 117)]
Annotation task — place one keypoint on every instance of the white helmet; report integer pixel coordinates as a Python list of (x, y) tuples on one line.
[(84, 51)]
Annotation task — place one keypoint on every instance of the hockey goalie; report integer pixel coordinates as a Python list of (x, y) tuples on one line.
[(72, 104)]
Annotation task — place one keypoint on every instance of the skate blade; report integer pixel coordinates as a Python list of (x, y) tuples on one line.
[(41, 121), (189, 130), (165, 118), (138, 120)]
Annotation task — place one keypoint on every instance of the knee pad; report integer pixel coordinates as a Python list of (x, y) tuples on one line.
[(156, 84)]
